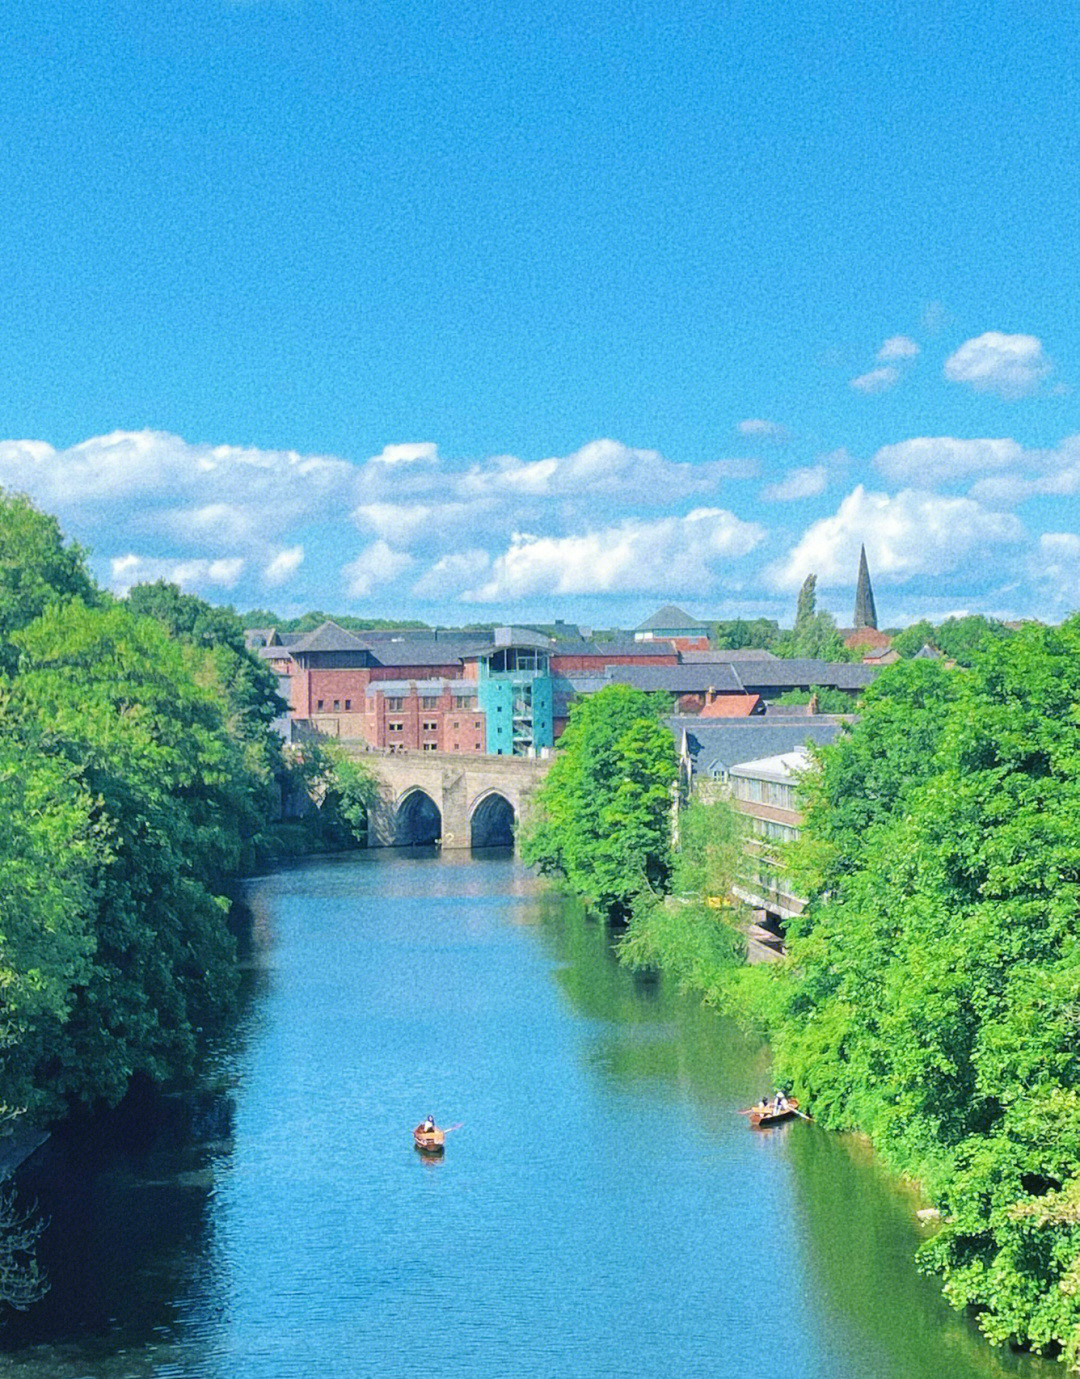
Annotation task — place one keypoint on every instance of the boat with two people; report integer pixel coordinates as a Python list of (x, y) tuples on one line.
[(773, 1110)]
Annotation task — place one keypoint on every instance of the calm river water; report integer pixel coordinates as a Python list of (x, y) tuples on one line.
[(601, 1211)]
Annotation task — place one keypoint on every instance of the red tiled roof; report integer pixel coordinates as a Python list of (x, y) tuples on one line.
[(732, 706)]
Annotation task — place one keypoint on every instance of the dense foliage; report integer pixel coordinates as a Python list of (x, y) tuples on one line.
[(696, 933), (602, 816), (137, 777), (958, 639), (308, 622), (932, 993)]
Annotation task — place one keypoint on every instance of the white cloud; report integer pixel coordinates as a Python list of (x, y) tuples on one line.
[(766, 430), (284, 565), (449, 576), (927, 460), (911, 533), (603, 467), (376, 564), (669, 553), (898, 347), (1010, 365), (424, 452), (1054, 472), (191, 575), (1056, 566), (799, 483), (877, 380)]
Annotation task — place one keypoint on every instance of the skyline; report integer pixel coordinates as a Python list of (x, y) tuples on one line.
[(464, 315)]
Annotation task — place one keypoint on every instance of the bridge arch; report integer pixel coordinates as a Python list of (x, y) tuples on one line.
[(492, 820), (417, 819)]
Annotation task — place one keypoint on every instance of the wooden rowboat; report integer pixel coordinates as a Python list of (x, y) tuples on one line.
[(761, 1119), (429, 1141)]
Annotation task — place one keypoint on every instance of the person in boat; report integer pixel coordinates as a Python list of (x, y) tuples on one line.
[(428, 1127), (780, 1102)]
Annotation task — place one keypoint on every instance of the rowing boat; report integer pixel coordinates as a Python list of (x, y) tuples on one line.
[(760, 1117), (429, 1141)]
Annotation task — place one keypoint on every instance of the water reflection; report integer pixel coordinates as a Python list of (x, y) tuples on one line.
[(603, 1209)]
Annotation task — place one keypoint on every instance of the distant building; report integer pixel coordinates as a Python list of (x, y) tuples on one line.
[(765, 794), (515, 692), (864, 635), (671, 624)]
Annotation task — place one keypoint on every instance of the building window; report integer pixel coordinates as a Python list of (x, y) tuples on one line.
[(395, 705), (431, 725), (348, 705), (318, 703), (431, 746), (429, 701), (337, 705), (464, 702), (395, 727)]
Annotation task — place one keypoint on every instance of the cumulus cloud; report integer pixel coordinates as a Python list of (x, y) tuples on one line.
[(602, 467), (1052, 472), (1010, 365), (454, 572), (424, 452), (928, 460), (911, 533), (765, 430), (669, 553), (898, 347), (191, 575), (799, 483), (284, 565), (376, 564), (877, 380)]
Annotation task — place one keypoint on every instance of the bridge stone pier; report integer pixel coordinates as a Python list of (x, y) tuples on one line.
[(458, 801)]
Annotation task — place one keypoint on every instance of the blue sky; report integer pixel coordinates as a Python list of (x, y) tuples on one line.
[(483, 312)]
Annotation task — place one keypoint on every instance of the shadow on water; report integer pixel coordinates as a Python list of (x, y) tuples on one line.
[(126, 1193), (857, 1231)]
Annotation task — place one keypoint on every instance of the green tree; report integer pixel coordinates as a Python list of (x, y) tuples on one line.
[(696, 933), (111, 698), (36, 569), (931, 991), (602, 816)]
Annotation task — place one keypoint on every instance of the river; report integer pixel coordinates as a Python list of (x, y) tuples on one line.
[(602, 1209)]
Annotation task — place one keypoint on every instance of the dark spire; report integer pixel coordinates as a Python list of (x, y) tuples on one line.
[(865, 612)]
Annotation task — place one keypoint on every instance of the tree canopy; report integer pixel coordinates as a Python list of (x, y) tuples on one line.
[(602, 815), (931, 991)]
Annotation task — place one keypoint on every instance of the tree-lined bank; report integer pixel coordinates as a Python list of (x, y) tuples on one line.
[(931, 991)]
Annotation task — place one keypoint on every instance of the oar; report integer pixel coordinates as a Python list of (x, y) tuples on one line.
[(447, 1128)]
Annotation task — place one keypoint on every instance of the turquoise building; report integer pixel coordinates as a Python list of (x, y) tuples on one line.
[(515, 693)]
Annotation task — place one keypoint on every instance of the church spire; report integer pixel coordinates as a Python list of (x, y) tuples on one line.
[(865, 612)]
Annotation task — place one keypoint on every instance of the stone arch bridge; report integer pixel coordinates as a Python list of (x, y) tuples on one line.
[(457, 801)]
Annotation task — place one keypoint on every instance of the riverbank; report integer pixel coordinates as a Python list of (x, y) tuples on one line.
[(271, 1231)]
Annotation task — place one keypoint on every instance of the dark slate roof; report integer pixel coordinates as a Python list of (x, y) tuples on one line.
[(715, 746), (329, 637), (747, 653), (423, 653), (682, 679), (668, 616), (566, 647), (796, 674)]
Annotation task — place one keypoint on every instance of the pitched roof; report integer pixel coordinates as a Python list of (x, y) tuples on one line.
[(745, 653), (684, 679), (329, 637), (714, 746), (668, 616), (732, 706)]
